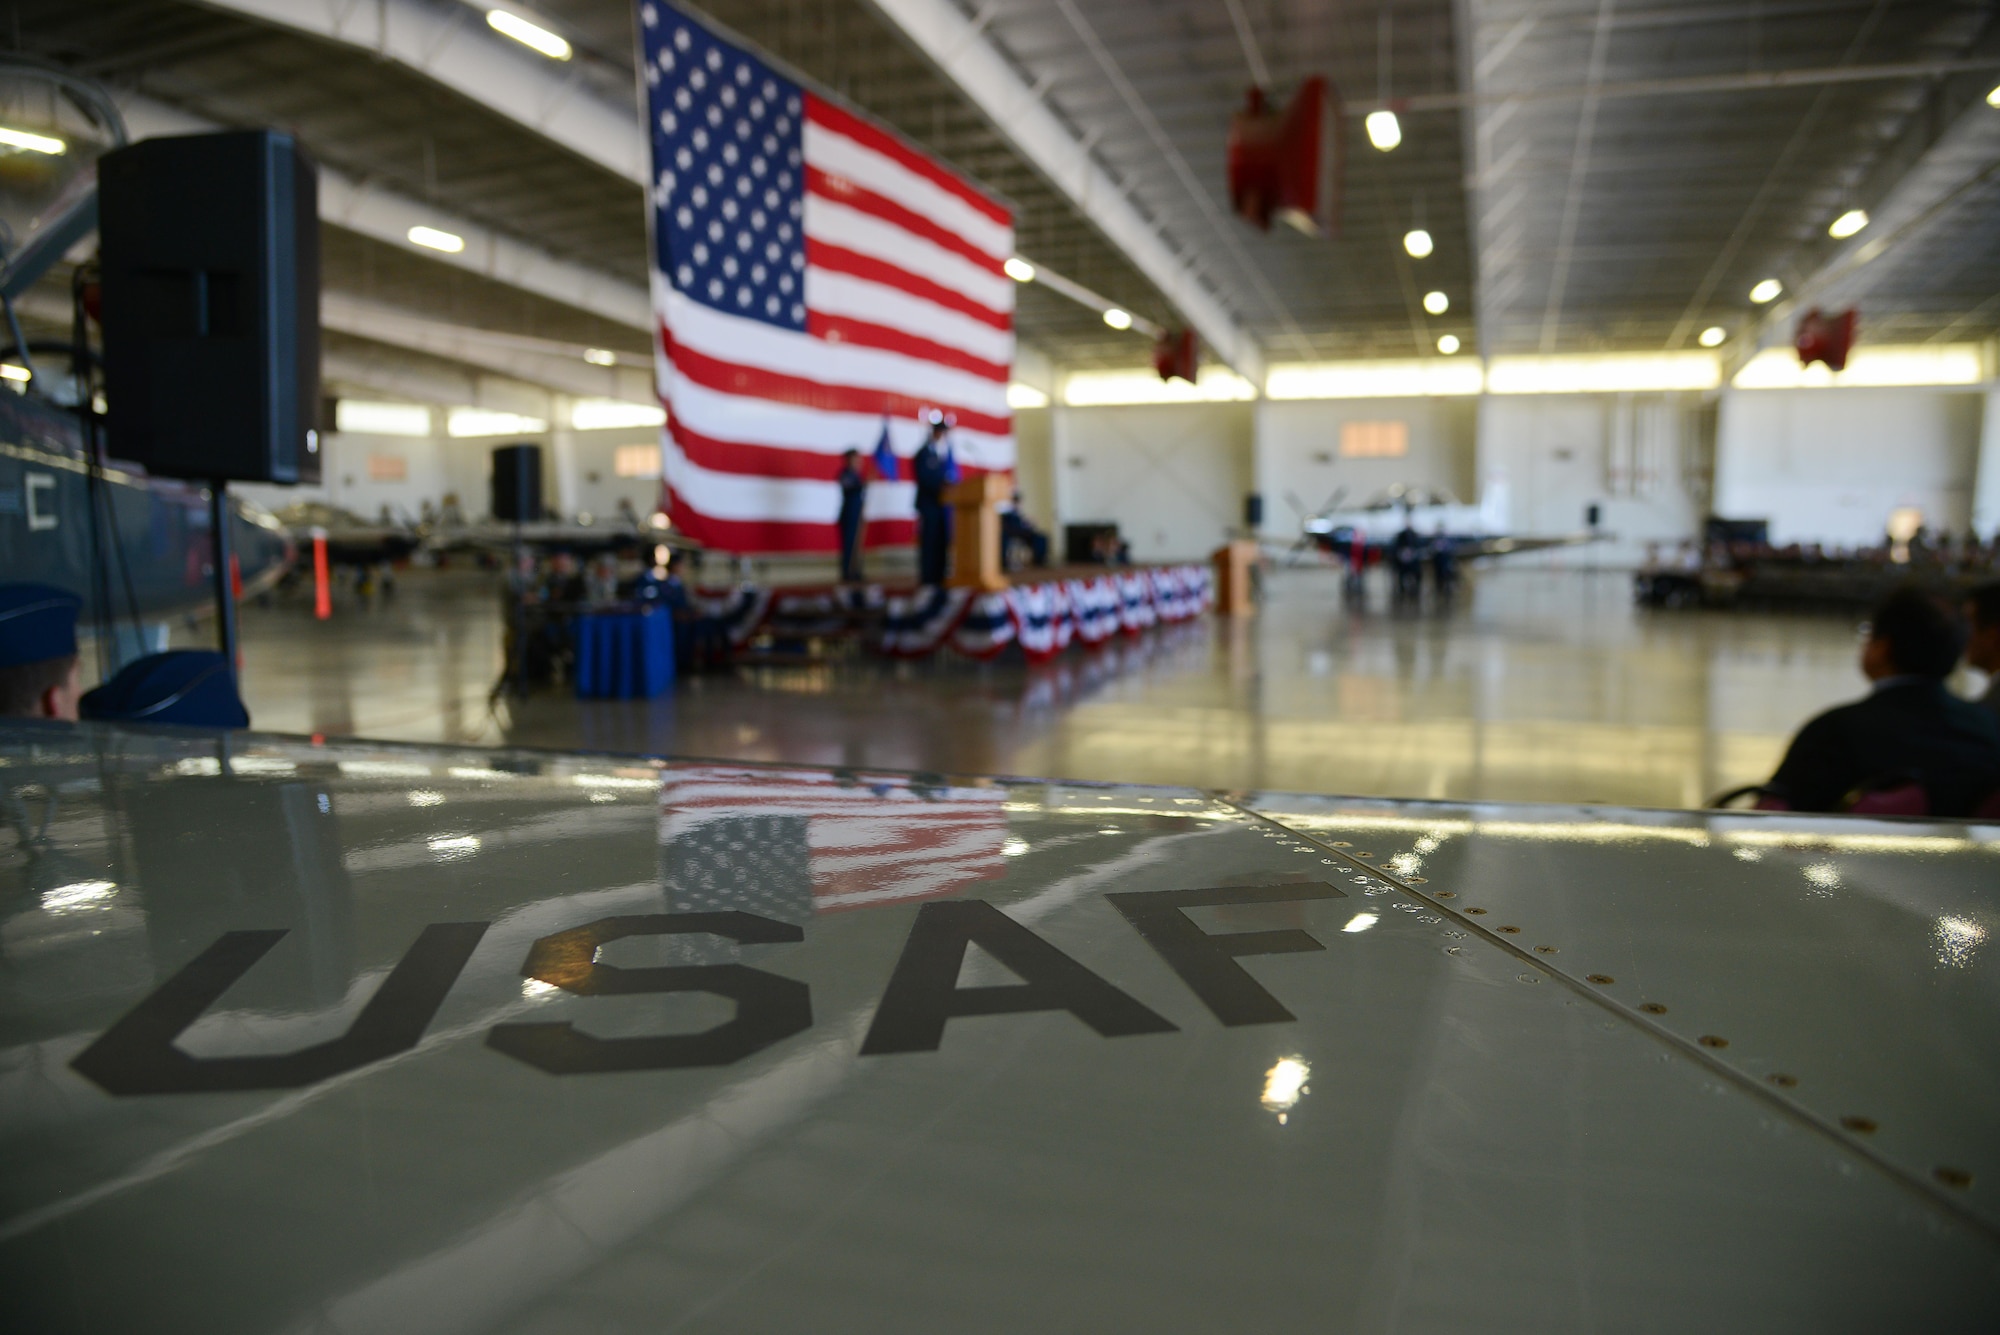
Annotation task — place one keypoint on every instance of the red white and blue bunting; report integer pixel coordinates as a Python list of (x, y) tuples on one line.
[(1044, 619)]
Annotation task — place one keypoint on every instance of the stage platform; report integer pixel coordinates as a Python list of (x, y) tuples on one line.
[(1043, 611)]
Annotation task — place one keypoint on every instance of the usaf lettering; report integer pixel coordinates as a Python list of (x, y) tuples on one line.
[(139, 1055)]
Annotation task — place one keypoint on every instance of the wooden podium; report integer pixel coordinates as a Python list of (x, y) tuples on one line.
[(975, 531), (1233, 563)]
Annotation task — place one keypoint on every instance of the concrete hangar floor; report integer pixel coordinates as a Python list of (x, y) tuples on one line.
[(1537, 684)]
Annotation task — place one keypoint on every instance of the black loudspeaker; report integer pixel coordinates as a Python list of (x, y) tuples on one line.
[(517, 483), (1253, 511), (210, 252)]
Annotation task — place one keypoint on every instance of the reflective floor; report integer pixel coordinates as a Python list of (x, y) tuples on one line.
[(1537, 685)]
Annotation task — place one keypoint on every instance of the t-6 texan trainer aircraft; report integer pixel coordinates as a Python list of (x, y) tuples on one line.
[(348, 1038), (1367, 530)]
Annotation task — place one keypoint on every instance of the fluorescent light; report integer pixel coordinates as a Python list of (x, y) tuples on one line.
[(430, 238), (34, 143), (1604, 372), (1026, 396), (600, 356), (1847, 224), (1713, 336), (1215, 384), (602, 414), (381, 419), (9, 371), (1437, 303), (1879, 364), (1767, 290), (1019, 270), (1448, 344), (1418, 243), (1993, 98), (1384, 130), (485, 422), (530, 35), (1374, 380), (1118, 319)]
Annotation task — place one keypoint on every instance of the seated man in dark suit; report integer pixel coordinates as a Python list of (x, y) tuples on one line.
[(1909, 729)]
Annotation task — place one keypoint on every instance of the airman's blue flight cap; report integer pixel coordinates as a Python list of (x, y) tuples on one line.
[(191, 687), (37, 622)]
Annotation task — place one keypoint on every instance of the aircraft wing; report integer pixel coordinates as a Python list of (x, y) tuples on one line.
[(350, 1038), (1472, 548)]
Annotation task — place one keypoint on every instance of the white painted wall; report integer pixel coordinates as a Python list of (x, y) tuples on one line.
[(1559, 453), (1034, 464), (1172, 476), (1299, 464), (1828, 465)]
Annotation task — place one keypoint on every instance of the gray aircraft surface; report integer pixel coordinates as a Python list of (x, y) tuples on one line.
[(368, 1038)]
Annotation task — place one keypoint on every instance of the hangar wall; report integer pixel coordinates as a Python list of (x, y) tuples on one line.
[(1173, 476), (1300, 466), (1641, 458), (1828, 465), (360, 472)]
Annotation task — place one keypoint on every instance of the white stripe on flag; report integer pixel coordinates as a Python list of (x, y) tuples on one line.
[(863, 233), (838, 155), (745, 342), (833, 293)]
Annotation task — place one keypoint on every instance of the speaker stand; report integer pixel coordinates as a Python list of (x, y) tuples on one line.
[(225, 593)]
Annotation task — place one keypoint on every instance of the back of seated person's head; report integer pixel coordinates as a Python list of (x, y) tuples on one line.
[(38, 658), (1920, 634)]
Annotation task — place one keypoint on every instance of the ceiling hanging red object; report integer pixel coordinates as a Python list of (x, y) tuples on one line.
[(1825, 338), (1175, 353), (1290, 166)]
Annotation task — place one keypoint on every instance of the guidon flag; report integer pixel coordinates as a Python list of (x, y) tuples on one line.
[(813, 274)]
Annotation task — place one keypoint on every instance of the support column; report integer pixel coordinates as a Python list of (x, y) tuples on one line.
[(1986, 471), (567, 485)]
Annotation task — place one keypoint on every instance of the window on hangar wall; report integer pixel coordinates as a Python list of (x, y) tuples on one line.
[(1374, 440)]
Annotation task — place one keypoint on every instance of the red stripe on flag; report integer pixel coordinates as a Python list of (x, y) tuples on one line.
[(842, 121), (863, 200), (841, 260), (846, 329), (753, 382)]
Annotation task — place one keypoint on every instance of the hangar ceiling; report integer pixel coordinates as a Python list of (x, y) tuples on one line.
[(1595, 174)]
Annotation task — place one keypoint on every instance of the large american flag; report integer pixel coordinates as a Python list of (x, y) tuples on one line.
[(812, 274)]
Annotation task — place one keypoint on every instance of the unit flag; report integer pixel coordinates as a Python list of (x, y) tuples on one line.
[(812, 272)]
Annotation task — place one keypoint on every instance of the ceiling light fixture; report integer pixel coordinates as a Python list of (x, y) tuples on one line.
[(1767, 290), (1847, 224), (1713, 336), (1019, 270), (1384, 130), (1418, 243), (34, 143), (600, 356), (1118, 319), (1448, 344), (1437, 303), (430, 238), (1993, 98), (531, 35)]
